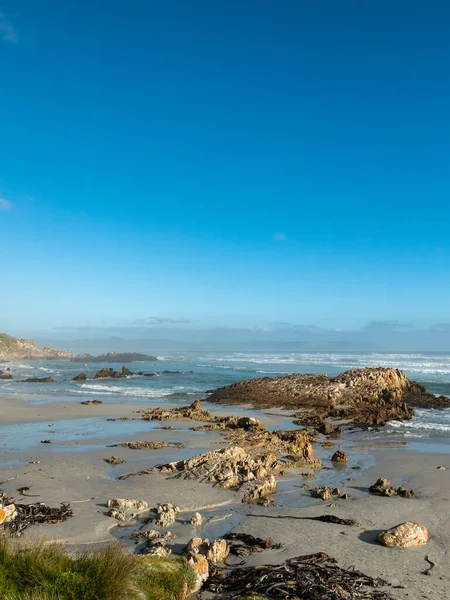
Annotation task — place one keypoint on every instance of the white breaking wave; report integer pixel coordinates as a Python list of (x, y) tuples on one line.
[(133, 391)]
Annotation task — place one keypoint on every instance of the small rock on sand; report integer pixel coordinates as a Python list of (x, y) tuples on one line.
[(339, 456), (404, 535)]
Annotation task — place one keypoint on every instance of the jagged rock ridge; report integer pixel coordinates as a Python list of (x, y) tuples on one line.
[(369, 396)]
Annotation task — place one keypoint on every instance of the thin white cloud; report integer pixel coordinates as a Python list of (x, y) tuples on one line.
[(7, 31), (280, 236), (5, 204)]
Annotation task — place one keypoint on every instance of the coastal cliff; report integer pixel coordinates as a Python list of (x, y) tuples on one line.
[(369, 396), (21, 349)]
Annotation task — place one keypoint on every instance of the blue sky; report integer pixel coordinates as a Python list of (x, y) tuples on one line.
[(238, 162)]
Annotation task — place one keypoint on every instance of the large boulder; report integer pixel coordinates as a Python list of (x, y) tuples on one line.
[(404, 535)]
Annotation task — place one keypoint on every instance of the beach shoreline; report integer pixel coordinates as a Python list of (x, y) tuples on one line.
[(75, 471)]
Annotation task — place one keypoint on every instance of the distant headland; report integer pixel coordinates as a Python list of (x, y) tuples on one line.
[(12, 348)]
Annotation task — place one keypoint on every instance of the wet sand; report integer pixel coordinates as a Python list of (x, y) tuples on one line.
[(72, 468)]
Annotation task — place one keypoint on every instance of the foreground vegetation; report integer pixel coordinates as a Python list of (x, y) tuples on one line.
[(48, 572)]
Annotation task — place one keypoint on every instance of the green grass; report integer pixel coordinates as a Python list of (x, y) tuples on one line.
[(47, 572)]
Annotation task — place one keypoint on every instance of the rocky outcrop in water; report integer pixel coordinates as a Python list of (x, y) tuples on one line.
[(370, 396), (105, 372), (117, 357), (21, 349)]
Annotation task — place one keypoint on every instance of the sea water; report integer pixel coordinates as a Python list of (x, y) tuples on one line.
[(181, 377)]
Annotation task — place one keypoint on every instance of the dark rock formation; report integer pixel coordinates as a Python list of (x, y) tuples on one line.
[(105, 372), (5, 375), (38, 380), (370, 396), (383, 487), (79, 377), (117, 357)]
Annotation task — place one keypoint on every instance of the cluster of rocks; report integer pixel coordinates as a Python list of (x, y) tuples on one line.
[(383, 487), (4, 375), (166, 514), (326, 493), (156, 543), (119, 507), (141, 445), (38, 380), (200, 553), (105, 372), (228, 468), (194, 412), (369, 396)]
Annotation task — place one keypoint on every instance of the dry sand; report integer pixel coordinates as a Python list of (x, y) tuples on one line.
[(72, 468)]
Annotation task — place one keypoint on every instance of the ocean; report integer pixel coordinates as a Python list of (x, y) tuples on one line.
[(181, 377)]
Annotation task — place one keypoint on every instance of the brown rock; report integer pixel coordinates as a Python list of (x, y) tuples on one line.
[(166, 514), (89, 402), (339, 456), (382, 487), (194, 411), (218, 551), (199, 564), (258, 488), (79, 377), (404, 535), (141, 445), (325, 493), (114, 460)]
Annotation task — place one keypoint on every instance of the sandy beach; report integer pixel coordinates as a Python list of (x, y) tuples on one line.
[(72, 469)]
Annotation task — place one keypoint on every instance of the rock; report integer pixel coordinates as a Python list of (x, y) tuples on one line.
[(215, 551), (325, 493), (105, 372), (8, 513), (226, 467), (158, 549), (126, 503), (114, 460), (382, 487), (339, 456), (258, 489), (38, 380), (218, 551), (5, 375), (404, 535), (370, 396), (139, 445), (46, 441), (117, 514), (404, 493), (194, 411), (345, 497), (89, 402), (441, 468), (199, 564), (166, 514), (79, 377), (126, 372), (196, 519)]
